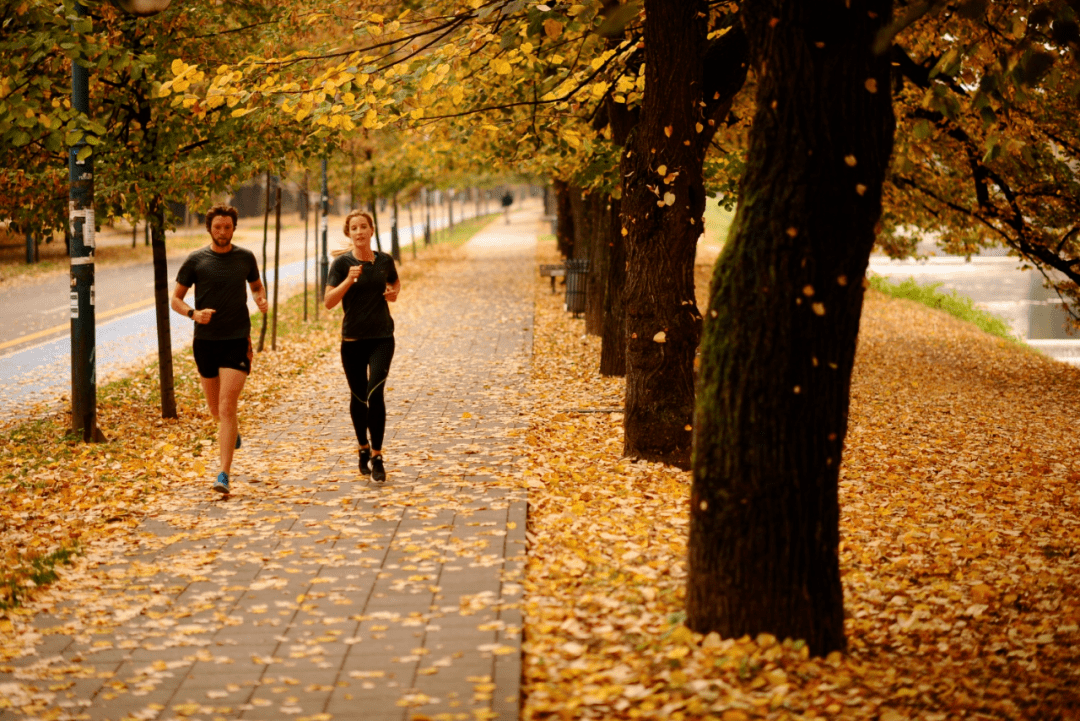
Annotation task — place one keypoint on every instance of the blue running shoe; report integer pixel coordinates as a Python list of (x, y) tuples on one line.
[(238, 440), (221, 485)]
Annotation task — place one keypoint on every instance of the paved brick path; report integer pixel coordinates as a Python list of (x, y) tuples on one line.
[(309, 594)]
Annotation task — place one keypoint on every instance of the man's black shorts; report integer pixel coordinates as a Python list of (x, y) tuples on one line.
[(212, 355)]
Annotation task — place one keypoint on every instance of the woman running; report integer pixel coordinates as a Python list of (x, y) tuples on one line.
[(363, 280)]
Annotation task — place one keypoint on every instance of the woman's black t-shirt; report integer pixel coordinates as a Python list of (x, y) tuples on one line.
[(367, 314)]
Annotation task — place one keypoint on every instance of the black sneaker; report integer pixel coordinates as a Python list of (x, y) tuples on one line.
[(365, 459), (378, 473)]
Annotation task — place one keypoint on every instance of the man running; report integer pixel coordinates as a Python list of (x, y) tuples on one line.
[(222, 345)]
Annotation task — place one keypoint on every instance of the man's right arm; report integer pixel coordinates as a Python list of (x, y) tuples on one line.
[(177, 301)]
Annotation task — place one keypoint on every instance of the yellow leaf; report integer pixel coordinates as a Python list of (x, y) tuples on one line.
[(501, 66), (660, 337), (553, 28)]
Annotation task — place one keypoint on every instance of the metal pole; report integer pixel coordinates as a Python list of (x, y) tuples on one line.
[(307, 201), (81, 252), (277, 264), (395, 243), (265, 268), (412, 230), (325, 266)]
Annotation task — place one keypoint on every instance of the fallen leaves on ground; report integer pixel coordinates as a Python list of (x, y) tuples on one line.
[(960, 531), (59, 494), (307, 588)]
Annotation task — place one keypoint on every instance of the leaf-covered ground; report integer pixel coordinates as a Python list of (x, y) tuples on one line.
[(960, 531), (58, 494)]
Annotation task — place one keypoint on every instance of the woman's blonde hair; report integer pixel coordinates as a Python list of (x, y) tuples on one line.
[(358, 214), (348, 218)]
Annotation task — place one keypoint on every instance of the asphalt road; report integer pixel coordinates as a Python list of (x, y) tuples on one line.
[(35, 350), (37, 310)]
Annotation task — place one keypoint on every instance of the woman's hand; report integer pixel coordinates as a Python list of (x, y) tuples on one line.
[(354, 273)]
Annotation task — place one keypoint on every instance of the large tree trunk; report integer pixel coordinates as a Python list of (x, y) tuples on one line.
[(583, 222), (564, 224), (663, 202), (613, 334), (595, 207), (780, 339)]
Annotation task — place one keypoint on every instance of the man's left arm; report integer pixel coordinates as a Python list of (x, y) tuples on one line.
[(258, 290)]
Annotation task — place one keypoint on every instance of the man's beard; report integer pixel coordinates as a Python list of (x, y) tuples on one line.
[(219, 243)]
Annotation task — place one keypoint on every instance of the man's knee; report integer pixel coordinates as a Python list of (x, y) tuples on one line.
[(227, 408)]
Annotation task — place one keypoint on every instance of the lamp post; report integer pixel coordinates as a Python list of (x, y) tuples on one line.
[(325, 265), (81, 251)]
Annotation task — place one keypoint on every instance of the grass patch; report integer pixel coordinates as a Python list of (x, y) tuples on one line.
[(952, 303), (460, 233), (17, 583)]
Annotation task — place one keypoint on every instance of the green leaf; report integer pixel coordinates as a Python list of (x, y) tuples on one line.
[(84, 152)]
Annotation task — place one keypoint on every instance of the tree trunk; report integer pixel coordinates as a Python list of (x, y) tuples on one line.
[(564, 225), (663, 202), (595, 206), (783, 321), (161, 306), (583, 222), (613, 334)]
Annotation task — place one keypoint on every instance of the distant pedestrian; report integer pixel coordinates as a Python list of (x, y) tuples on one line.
[(363, 280), (507, 201), (222, 345)]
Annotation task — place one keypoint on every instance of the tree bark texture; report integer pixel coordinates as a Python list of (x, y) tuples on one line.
[(583, 222), (564, 225), (613, 334), (782, 326), (663, 203), (596, 207)]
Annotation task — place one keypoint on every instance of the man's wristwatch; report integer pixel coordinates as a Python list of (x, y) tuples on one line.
[(191, 313)]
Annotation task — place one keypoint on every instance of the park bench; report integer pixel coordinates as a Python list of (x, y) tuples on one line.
[(553, 271)]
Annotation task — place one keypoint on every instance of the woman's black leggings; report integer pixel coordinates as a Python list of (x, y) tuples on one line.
[(368, 407)]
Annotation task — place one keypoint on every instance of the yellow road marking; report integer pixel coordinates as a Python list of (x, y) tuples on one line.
[(140, 305)]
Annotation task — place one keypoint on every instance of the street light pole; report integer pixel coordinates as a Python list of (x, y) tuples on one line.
[(81, 253), (325, 269)]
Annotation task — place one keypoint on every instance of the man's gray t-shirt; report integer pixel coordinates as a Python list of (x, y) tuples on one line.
[(219, 280)]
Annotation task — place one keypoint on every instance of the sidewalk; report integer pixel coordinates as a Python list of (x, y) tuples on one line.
[(308, 593)]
